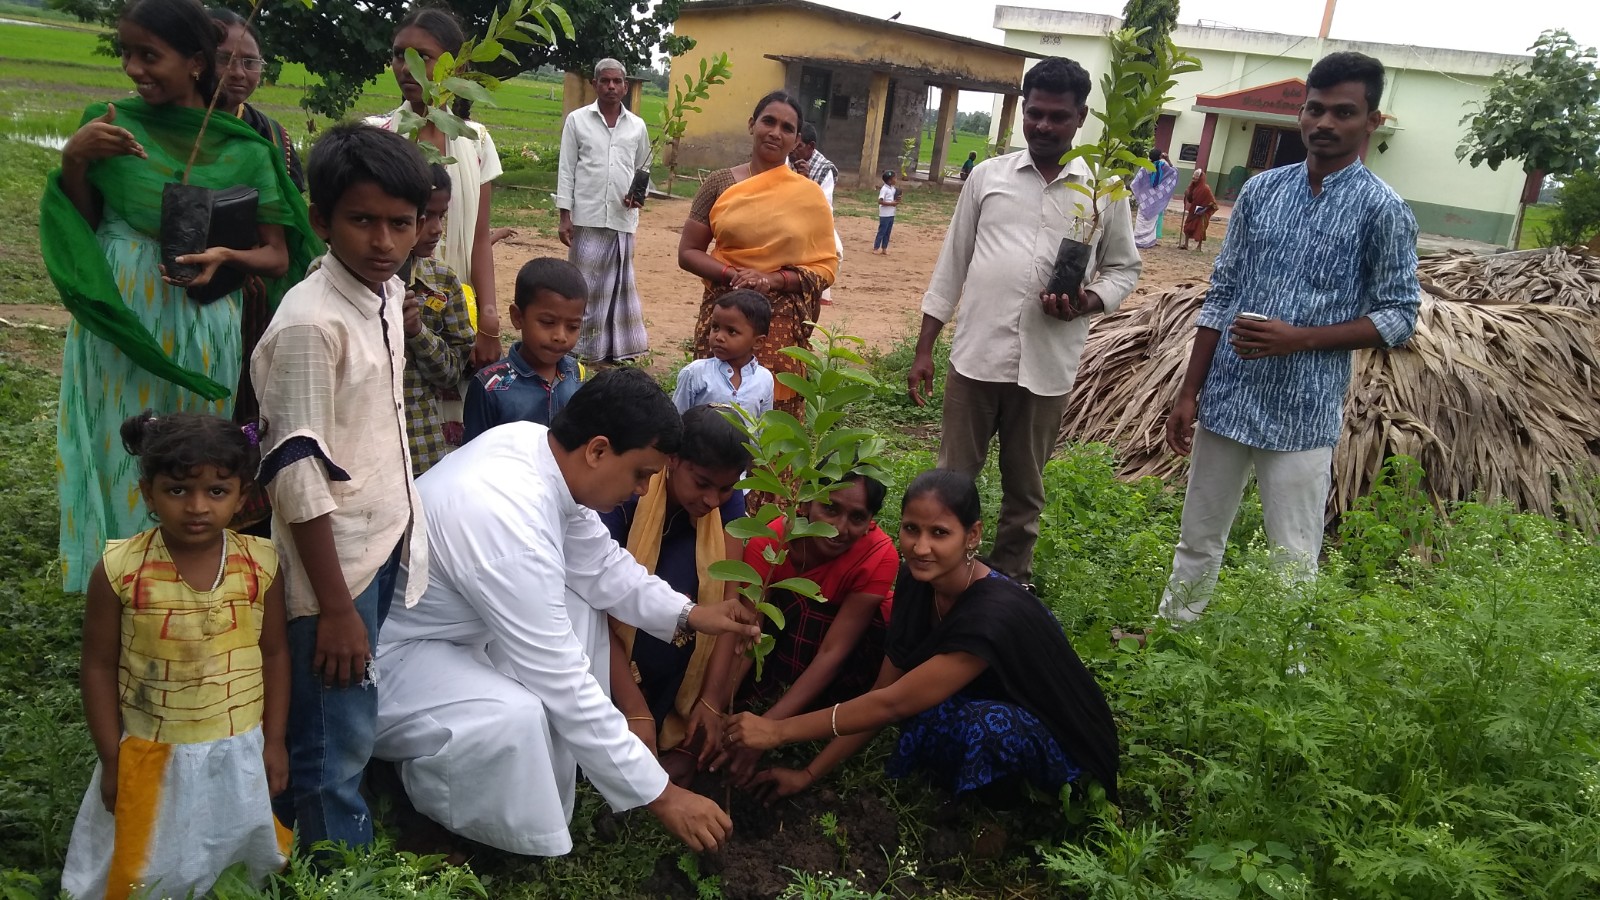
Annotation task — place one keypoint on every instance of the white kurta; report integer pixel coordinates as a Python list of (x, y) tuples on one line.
[(490, 749)]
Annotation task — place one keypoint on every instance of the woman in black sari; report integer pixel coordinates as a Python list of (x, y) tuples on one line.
[(978, 673)]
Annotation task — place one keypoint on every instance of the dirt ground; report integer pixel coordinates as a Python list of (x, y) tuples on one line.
[(877, 297)]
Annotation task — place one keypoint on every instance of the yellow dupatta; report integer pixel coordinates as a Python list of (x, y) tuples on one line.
[(775, 219), (644, 542)]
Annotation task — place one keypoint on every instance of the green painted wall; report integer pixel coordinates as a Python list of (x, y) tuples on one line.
[(1455, 221)]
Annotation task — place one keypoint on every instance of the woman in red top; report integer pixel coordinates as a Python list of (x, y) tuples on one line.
[(829, 651)]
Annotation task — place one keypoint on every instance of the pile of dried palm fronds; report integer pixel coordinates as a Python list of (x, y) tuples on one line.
[(1552, 275), (1494, 399)]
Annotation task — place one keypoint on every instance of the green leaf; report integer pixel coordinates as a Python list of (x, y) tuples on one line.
[(804, 529), (810, 359), (797, 384), (773, 613), (735, 570), (760, 480), (486, 51), (745, 528), (461, 87), (805, 587), (418, 71), (1271, 885), (561, 17)]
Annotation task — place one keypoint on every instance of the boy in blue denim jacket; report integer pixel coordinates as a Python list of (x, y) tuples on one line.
[(537, 378)]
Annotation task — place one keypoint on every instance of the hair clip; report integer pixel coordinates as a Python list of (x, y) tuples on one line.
[(251, 433)]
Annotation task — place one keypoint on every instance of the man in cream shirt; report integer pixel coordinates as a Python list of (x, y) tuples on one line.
[(1015, 353)]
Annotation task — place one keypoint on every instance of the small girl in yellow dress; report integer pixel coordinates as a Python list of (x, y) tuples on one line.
[(185, 678)]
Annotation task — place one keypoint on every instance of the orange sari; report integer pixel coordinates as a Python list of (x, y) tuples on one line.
[(778, 219)]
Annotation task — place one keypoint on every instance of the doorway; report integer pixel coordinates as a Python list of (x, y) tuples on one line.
[(815, 93), (1272, 147)]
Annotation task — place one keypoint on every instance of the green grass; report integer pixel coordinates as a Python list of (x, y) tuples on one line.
[(962, 143), (22, 172), (1535, 222)]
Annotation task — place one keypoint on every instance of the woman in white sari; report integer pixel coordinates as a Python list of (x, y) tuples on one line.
[(1154, 191)]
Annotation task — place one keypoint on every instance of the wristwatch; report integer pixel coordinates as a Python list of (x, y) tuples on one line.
[(684, 634)]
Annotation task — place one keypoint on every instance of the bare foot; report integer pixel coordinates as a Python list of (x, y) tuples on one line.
[(497, 235)]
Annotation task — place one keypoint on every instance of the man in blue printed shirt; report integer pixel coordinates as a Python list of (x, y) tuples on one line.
[(1319, 260)]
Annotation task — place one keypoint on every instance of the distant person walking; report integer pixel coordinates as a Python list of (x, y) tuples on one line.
[(1153, 190), (1198, 206), (602, 146), (809, 162), (1319, 260)]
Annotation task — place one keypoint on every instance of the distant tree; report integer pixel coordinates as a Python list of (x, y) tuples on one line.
[(353, 37), (1157, 18), (974, 122), (1545, 113), (1577, 218)]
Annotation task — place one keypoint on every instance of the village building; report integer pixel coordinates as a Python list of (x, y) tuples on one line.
[(1238, 115), (864, 82)]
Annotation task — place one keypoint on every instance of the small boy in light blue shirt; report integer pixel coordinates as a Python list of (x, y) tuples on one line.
[(739, 323)]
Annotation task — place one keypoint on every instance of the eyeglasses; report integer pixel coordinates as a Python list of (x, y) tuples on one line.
[(247, 63)]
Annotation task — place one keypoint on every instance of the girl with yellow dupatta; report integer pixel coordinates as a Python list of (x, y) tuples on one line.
[(137, 340), (773, 230), (676, 532)]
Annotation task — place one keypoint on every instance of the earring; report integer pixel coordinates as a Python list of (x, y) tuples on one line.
[(153, 516), (972, 553), (194, 76)]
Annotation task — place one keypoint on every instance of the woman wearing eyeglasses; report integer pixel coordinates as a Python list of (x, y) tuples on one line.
[(240, 64), (239, 67)]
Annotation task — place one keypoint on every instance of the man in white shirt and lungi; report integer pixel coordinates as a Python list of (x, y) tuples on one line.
[(1016, 348), (602, 147), (494, 688)]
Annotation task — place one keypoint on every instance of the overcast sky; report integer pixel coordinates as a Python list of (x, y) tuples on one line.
[(1497, 27)]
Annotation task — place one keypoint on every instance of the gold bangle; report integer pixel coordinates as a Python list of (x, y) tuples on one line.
[(650, 719), (834, 720), (495, 335), (710, 707)]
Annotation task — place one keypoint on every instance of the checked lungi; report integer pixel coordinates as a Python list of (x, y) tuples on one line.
[(613, 320)]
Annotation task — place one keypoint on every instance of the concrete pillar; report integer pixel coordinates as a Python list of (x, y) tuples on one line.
[(877, 100), (576, 92), (942, 131), (1208, 133), (1008, 121)]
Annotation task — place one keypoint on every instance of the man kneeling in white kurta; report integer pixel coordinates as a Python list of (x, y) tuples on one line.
[(494, 687)]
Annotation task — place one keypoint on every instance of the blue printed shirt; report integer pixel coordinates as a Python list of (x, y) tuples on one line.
[(511, 391), (711, 381), (1310, 260)]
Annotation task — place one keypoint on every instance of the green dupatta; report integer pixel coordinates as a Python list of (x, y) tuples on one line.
[(232, 153)]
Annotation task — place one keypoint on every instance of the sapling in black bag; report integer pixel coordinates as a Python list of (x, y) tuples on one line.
[(194, 218)]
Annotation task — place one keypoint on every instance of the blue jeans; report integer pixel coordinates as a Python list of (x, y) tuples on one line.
[(885, 225), (331, 730)]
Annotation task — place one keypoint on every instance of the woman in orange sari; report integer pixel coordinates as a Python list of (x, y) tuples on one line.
[(773, 231), (1198, 205)]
